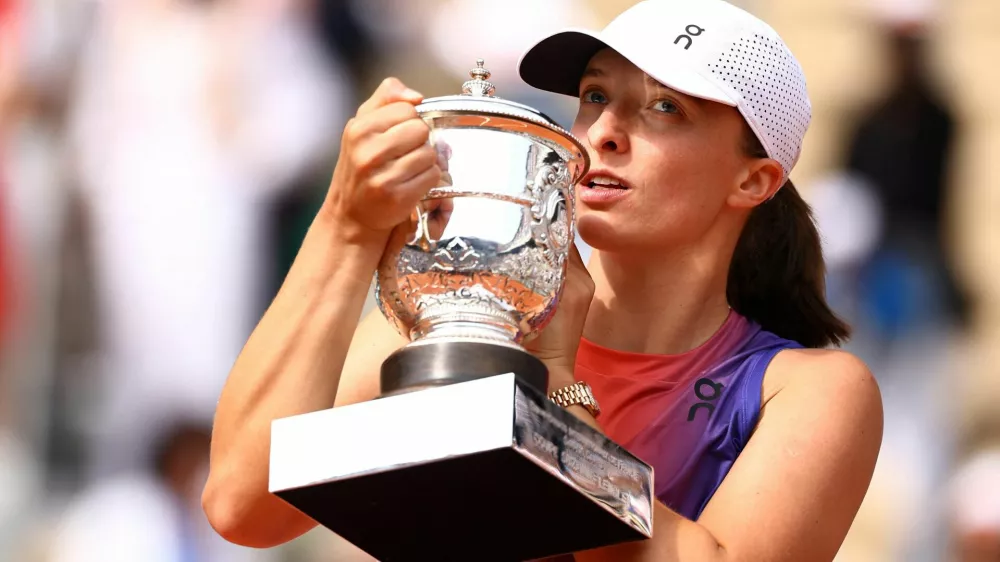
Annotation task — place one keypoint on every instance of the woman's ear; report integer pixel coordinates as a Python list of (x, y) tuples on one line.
[(763, 179)]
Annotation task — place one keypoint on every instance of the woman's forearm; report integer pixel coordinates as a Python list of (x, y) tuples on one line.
[(675, 539), (290, 365)]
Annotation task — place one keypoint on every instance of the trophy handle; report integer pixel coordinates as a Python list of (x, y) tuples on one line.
[(551, 233)]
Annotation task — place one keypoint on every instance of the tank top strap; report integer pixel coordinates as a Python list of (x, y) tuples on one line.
[(747, 412)]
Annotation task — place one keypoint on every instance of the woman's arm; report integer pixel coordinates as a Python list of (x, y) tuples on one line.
[(294, 362), (291, 364), (794, 491)]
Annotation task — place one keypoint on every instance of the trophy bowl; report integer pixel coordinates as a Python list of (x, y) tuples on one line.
[(479, 268)]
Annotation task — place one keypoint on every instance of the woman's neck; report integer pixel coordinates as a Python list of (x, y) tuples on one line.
[(663, 305)]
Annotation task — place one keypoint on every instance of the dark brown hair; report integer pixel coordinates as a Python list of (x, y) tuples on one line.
[(776, 277)]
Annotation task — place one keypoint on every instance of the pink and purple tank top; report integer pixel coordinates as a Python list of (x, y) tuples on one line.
[(688, 415)]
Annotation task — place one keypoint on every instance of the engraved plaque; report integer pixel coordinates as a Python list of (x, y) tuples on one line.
[(584, 458)]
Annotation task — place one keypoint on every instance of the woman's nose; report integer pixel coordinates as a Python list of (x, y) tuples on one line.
[(607, 134)]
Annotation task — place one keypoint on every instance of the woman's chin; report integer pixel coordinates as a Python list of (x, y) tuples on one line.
[(599, 231)]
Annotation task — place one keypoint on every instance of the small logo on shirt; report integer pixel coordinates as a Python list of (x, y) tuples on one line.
[(708, 392)]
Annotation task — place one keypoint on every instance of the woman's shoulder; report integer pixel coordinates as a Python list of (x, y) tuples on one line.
[(823, 378)]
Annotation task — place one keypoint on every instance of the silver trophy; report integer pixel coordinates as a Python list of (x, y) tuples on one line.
[(485, 256), (463, 457)]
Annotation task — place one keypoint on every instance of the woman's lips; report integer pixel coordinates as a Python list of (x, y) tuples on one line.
[(596, 193)]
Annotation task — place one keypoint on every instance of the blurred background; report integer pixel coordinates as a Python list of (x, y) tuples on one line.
[(160, 161)]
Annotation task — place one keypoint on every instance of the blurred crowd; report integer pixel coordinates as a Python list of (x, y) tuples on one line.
[(160, 161)]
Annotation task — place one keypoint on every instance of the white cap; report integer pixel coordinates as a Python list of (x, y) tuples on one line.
[(707, 49)]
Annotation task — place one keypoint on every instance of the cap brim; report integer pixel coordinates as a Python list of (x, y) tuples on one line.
[(557, 62)]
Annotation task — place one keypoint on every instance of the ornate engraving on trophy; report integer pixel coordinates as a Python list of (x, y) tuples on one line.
[(550, 223), (457, 255)]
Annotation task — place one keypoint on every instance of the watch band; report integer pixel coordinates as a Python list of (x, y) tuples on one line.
[(576, 394)]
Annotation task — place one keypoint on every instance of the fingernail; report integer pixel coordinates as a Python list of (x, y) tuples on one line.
[(411, 93)]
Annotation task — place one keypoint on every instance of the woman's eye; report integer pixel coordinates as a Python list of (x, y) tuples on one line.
[(593, 96), (666, 106)]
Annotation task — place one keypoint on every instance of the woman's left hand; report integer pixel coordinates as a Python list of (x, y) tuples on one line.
[(556, 345)]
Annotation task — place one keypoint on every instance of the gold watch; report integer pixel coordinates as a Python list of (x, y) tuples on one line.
[(576, 394)]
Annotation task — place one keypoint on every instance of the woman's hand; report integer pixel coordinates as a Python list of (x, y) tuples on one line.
[(558, 342), (385, 168)]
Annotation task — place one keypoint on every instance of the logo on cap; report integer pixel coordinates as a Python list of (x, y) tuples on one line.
[(691, 30)]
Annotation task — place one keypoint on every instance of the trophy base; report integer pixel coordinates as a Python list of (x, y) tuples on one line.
[(484, 470), (438, 363)]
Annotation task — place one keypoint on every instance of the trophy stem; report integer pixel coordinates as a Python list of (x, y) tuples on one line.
[(443, 362), (484, 324)]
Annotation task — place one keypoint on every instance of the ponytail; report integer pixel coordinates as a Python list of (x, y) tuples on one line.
[(776, 277)]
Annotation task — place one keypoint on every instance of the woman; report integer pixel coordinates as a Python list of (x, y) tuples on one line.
[(763, 442)]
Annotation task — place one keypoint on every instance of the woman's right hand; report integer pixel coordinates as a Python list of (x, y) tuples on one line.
[(385, 168)]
